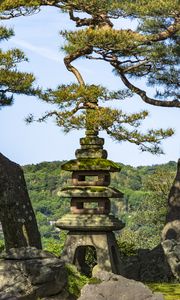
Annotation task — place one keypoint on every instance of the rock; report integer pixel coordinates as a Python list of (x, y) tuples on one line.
[(24, 253), (148, 266), (16, 212), (171, 231), (174, 200), (31, 274), (62, 296), (172, 252), (116, 287)]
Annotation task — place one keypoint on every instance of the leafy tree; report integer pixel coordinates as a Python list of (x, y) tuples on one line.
[(160, 182), (13, 81), (148, 209), (149, 51)]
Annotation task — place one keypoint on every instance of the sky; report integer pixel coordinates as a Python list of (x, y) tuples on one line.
[(38, 36)]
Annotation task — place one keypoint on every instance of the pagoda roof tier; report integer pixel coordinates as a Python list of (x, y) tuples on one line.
[(89, 222), (89, 192), (91, 164)]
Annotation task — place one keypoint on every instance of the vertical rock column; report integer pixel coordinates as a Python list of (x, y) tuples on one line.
[(89, 222)]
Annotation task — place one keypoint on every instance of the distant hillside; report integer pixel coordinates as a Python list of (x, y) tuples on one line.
[(140, 185)]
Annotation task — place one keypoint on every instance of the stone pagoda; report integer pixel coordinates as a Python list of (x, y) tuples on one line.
[(89, 222)]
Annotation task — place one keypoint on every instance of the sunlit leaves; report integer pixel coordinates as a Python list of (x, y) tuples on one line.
[(11, 80), (106, 39), (149, 8)]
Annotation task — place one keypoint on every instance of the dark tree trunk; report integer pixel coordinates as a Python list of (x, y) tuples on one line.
[(16, 213)]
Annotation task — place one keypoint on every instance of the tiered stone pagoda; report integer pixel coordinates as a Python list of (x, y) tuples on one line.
[(89, 222)]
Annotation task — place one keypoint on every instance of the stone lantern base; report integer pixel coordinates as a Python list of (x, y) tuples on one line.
[(104, 244)]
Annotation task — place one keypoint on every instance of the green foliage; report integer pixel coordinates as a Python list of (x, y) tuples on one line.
[(146, 208), (2, 247), (11, 80), (55, 246), (149, 8), (106, 39), (126, 248), (76, 280)]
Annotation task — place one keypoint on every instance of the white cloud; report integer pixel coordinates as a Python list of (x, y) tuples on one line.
[(42, 51)]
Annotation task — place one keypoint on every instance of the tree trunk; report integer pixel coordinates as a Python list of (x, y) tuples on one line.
[(16, 213)]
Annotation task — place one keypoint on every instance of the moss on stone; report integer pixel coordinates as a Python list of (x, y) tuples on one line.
[(92, 141), (76, 280), (88, 164), (89, 191), (171, 291)]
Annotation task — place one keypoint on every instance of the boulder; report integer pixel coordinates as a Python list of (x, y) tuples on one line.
[(171, 230), (17, 217), (148, 266), (116, 287), (29, 273), (172, 252), (62, 296)]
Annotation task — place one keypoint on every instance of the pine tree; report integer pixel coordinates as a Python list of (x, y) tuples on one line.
[(13, 81), (150, 51)]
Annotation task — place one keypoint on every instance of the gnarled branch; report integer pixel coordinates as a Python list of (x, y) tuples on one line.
[(142, 93)]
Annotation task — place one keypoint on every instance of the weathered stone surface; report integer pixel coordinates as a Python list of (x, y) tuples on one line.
[(105, 246), (174, 199), (33, 274), (88, 164), (16, 213), (116, 287), (64, 295), (89, 191), (88, 222), (148, 266), (172, 252), (91, 153), (171, 231), (25, 253), (92, 141)]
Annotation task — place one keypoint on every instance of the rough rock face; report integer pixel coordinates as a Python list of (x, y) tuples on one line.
[(171, 231), (148, 266), (16, 213), (174, 200), (62, 296), (172, 252), (116, 287), (29, 273)]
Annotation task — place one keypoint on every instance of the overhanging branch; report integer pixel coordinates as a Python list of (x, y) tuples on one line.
[(142, 93)]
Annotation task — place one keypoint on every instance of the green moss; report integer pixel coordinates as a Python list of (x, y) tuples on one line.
[(91, 141), (169, 290), (76, 280), (87, 164), (86, 189), (2, 246)]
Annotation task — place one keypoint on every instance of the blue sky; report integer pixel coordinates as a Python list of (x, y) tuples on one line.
[(38, 36)]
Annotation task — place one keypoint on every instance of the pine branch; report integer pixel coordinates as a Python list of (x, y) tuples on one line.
[(71, 57), (142, 93), (168, 33)]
